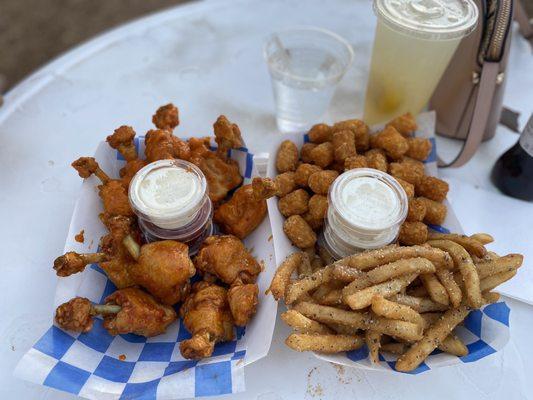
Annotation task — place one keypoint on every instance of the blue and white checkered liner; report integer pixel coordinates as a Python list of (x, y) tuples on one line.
[(90, 365), (484, 331)]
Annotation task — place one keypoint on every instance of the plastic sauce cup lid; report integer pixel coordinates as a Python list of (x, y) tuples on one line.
[(168, 193), (429, 19)]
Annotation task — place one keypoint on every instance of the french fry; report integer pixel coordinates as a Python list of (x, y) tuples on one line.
[(392, 310), (452, 288), (321, 291), (394, 348), (483, 238), (498, 265), (420, 304), (493, 281), (323, 343), (334, 297), (342, 329), (453, 345), (373, 258), (491, 297), (435, 289), (346, 274), (363, 298), (401, 267), (317, 278), (301, 323), (372, 339), (471, 245), (430, 318), (282, 277), (433, 337), (399, 329), (418, 291), (304, 269), (466, 266)]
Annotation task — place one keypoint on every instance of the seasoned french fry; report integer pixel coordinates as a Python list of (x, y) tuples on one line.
[(466, 266), (363, 298), (346, 274), (471, 245), (282, 277), (433, 337), (420, 304), (436, 290), (334, 297), (394, 348), (400, 267), (399, 329), (453, 345), (342, 329), (483, 238), (304, 269), (392, 310), (321, 291), (301, 323), (430, 318), (317, 263), (325, 255), (373, 258), (493, 281), (323, 343), (491, 297), (418, 291), (297, 288), (502, 264), (452, 288), (372, 339)]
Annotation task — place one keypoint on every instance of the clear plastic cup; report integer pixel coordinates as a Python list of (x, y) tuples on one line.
[(414, 42), (305, 65)]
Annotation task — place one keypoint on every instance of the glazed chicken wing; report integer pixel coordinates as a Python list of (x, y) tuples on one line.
[(242, 301), (162, 268), (166, 117), (227, 259), (207, 316), (244, 211), (122, 140), (227, 135), (161, 144)]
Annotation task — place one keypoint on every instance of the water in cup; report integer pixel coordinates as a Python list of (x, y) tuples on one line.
[(414, 42), (305, 66)]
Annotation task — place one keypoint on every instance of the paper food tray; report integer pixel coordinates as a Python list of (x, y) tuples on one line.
[(90, 365), (484, 331)]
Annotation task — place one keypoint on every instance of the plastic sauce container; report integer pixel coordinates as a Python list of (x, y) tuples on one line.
[(170, 197), (366, 209)]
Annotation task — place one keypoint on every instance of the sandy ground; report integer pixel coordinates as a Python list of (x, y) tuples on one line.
[(34, 31)]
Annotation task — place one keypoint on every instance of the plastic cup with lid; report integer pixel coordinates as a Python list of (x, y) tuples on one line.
[(413, 45)]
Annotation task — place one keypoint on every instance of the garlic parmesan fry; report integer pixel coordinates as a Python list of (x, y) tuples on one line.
[(401, 267), (420, 304), (473, 246), (301, 323), (502, 264), (466, 266), (483, 238), (304, 285), (392, 310), (283, 274), (435, 289), (452, 288), (372, 339), (453, 345), (394, 348), (324, 343), (491, 282)]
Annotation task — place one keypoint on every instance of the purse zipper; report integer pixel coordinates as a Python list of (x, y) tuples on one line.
[(501, 28)]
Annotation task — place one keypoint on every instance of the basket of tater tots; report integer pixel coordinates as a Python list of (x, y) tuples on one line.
[(161, 289), (373, 267)]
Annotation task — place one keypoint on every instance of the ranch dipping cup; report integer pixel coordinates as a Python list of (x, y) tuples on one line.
[(413, 45)]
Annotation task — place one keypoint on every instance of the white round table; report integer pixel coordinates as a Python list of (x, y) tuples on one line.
[(206, 58)]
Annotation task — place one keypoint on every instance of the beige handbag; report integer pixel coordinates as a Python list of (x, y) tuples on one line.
[(468, 99)]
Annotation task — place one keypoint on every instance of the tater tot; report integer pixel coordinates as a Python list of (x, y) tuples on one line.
[(337, 166), (405, 124), (322, 155), (318, 206), (299, 232), (418, 165), (406, 172), (412, 233), (314, 223), (320, 182), (320, 133), (287, 157), (435, 212), (296, 202), (417, 210), (303, 172), (377, 159), (390, 140), (360, 130), (343, 145), (433, 188), (357, 161), (419, 148), (286, 183), (305, 152), (408, 187)]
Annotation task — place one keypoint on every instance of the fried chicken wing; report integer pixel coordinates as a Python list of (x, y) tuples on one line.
[(75, 315), (163, 268), (72, 262), (166, 117), (128, 171), (242, 213), (265, 188), (139, 313), (227, 259), (207, 316), (227, 135), (122, 140), (161, 144), (242, 301)]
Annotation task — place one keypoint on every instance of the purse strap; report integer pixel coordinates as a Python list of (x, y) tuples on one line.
[(482, 107)]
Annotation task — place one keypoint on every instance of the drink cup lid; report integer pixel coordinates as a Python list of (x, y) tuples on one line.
[(429, 19)]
